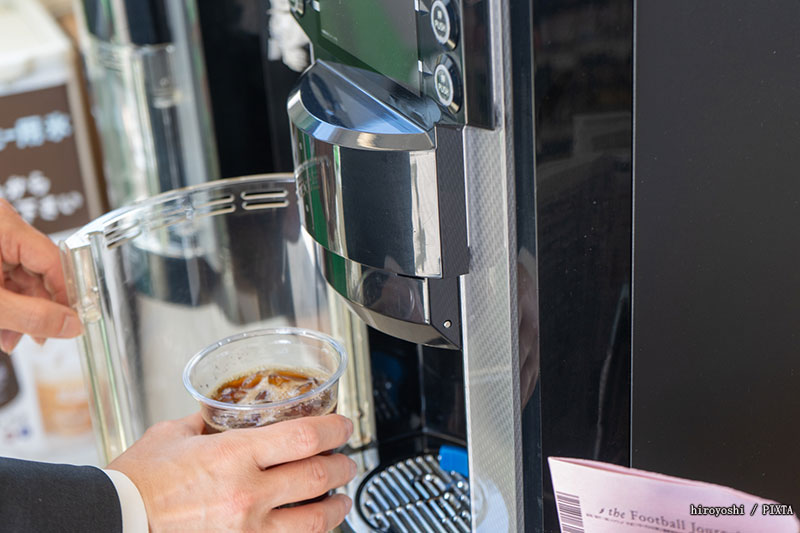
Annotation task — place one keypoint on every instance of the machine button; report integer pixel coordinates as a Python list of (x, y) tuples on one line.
[(443, 23), (447, 84)]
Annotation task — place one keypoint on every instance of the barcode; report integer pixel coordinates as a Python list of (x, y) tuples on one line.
[(569, 513)]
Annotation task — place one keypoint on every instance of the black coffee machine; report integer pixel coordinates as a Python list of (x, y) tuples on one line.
[(614, 281), (543, 267)]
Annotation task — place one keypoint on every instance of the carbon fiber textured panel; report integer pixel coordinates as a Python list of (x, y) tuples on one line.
[(489, 300)]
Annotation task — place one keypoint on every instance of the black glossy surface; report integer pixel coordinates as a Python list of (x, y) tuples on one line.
[(419, 396), (717, 289), (278, 82), (145, 22), (527, 293), (477, 64), (582, 112), (443, 394), (246, 141), (396, 386)]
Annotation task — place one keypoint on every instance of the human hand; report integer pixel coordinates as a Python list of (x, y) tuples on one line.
[(33, 297), (235, 481)]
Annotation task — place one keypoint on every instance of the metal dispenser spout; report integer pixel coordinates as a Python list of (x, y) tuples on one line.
[(360, 142)]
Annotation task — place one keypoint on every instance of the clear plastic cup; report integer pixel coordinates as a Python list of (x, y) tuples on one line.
[(300, 351)]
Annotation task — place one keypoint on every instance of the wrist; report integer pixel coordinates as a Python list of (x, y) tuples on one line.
[(132, 508)]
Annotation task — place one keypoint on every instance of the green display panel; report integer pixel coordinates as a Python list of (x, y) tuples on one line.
[(380, 33)]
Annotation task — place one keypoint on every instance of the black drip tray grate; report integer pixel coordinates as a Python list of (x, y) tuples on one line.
[(416, 496)]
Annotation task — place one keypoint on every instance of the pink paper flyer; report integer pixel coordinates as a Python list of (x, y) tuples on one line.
[(594, 497)]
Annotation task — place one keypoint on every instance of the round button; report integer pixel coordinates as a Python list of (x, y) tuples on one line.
[(443, 23), (447, 85), (444, 85)]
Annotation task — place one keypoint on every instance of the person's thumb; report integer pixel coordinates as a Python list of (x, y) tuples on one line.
[(37, 317)]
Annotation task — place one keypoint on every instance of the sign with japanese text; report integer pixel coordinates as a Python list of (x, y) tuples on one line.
[(40, 173)]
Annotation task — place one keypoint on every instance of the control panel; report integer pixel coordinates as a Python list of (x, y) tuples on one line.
[(432, 48)]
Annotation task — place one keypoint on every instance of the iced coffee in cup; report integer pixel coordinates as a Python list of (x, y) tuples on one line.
[(266, 376)]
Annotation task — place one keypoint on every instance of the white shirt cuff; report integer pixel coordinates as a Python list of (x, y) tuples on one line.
[(134, 515)]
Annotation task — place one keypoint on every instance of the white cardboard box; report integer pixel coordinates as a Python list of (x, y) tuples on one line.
[(46, 168)]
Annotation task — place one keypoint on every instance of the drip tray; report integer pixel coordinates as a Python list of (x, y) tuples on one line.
[(415, 496)]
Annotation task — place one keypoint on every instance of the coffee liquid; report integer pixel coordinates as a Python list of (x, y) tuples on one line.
[(266, 386), (259, 388)]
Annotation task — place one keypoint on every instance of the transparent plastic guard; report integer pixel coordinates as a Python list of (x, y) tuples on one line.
[(155, 282), (155, 128)]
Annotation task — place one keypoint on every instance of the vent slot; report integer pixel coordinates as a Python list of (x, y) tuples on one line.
[(116, 236), (252, 206), (273, 194), (269, 199), (165, 216), (164, 222), (213, 212), (220, 200), (220, 205)]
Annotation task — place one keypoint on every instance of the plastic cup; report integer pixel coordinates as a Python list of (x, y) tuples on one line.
[(293, 349)]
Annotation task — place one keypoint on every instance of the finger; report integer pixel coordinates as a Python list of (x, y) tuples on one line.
[(294, 439), (9, 340), (306, 479), (188, 426), (31, 287), (23, 282), (21, 244), (23, 278), (38, 317), (192, 424), (310, 518), (37, 291)]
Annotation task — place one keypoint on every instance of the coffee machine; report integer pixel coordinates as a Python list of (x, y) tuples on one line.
[(463, 171), (401, 134)]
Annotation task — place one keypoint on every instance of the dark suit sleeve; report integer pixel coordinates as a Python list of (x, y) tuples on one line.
[(43, 498)]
